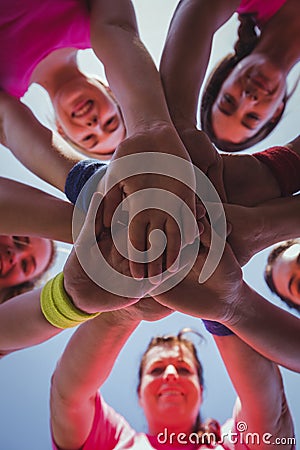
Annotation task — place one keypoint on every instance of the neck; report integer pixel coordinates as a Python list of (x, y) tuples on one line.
[(170, 432), (56, 69)]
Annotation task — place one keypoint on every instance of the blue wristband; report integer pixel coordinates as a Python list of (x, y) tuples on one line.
[(216, 328), (77, 178)]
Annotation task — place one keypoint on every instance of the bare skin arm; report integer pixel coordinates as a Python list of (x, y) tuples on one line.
[(22, 323), (188, 45), (116, 42), (136, 83), (36, 147), (256, 228), (261, 404), (226, 298), (249, 181), (27, 211), (85, 365)]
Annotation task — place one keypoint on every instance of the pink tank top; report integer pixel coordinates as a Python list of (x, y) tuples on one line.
[(30, 30), (262, 9)]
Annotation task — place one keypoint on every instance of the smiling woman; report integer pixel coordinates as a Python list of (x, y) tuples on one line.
[(87, 114), (246, 93), (23, 262), (170, 392)]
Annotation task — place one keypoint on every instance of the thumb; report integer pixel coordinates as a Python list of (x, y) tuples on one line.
[(93, 223)]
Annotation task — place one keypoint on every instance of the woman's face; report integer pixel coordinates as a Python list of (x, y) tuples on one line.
[(170, 392), (286, 273), (88, 115), (22, 259), (251, 96)]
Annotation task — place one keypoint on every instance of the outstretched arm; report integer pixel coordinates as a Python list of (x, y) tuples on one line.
[(85, 365), (22, 323), (249, 180), (226, 298), (27, 211), (183, 66), (186, 54), (129, 68), (136, 83), (261, 402), (254, 229), (36, 147)]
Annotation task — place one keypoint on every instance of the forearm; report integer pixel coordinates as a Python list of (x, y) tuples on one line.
[(248, 182), (280, 220), (188, 45), (90, 355), (258, 227), (130, 71), (28, 211), (262, 405), (268, 329), (36, 147), (22, 323), (82, 369)]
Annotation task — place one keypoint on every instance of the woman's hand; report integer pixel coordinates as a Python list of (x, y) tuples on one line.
[(145, 309), (95, 270), (204, 156), (216, 298), (145, 166)]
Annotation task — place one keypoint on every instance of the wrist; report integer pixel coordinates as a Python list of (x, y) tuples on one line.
[(121, 319), (58, 308), (235, 308), (82, 181), (264, 228), (146, 126)]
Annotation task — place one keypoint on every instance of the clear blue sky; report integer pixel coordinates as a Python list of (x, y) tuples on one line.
[(25, 375)]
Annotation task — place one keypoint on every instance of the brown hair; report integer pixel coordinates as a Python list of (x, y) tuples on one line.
[(273, 255), (27, 286), (248, 38), (210, 426)]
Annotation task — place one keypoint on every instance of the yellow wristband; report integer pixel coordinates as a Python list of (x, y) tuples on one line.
[(57, 306)]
